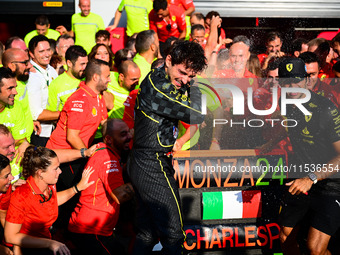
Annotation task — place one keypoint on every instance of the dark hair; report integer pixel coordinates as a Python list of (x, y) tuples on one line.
[(197, 27), (94, 50), (94, 67), (74, 52), (130, 44), (10, 40), (190, 54), (335, 39), (144, 40), (109, 127), (5, 73), (35, 40), (296, 45), (4, 130), (103, 33), (124, 66), (198, 15), (36, 158), (65, 37), (310, 57), (120, 56), (211, 14), (271, 36), (42, 20), (272, 65), (4, 162), (157, 63), (160, 4), (53, 45), (336, 68), (168, 45)]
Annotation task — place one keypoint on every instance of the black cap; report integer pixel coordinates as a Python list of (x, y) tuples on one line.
[(292, 68)]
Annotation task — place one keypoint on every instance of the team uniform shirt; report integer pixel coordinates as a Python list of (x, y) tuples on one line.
[(22, 97), (85, 29), (143, 65), (51, 34), (262, 57), (249, 81), (13, 117), (84, 110), (326, 72), (60, 90), (184, 5), (37, 89), (27, 208), (313, 137), (96, 212), (137, 12), (176, 20), (120, 95), (5, 198)]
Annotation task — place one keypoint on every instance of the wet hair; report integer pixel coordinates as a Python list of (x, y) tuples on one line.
[(94, 67), (144, 40), (190, 54), (271, 36), (310, 57), (242, 38), (5, 73), (296, 45), (222, 56), (103, 33), (160, 4), (197, 27), (120, 56), (211, 14), (36, 158), (42, 20), (4, 162), (35, 41), (94, 50), (74, 52)]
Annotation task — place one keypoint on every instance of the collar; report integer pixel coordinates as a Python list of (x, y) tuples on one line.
[(39, 68), (87, 89), (33, 186)]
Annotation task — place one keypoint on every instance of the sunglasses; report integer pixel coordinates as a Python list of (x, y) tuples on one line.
[(22, 62)]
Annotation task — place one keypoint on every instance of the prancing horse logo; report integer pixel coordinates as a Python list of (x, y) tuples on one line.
[(289, 67)]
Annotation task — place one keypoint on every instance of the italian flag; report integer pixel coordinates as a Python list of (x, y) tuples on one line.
[(231, 204)]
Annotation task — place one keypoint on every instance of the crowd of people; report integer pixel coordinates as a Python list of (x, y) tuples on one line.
[(87, 134)]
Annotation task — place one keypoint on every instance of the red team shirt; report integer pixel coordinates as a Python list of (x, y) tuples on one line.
[(83, 110), (96, 212), (27, 209), (183, 4), (177, 22)]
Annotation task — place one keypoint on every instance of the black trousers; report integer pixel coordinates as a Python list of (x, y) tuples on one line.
[(159, 215)]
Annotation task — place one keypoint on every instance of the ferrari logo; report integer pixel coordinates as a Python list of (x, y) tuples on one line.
[(289, 67), (308, 118), (94, 111)]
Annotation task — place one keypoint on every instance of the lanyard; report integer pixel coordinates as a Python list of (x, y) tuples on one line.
[(45, 75)]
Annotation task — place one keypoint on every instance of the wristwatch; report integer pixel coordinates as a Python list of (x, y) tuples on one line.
[(82, 152), (313, 177)]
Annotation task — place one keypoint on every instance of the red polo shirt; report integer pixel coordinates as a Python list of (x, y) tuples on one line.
[(183, 4), (5, 199), (26, 208), (262, 57), (243, 84), (96, 212), (177, 22), (83, 110)]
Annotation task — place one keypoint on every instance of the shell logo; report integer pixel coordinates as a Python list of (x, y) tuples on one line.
[(94, 111)]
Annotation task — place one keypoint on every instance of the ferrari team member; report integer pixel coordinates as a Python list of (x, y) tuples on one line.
[(165, 96)]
